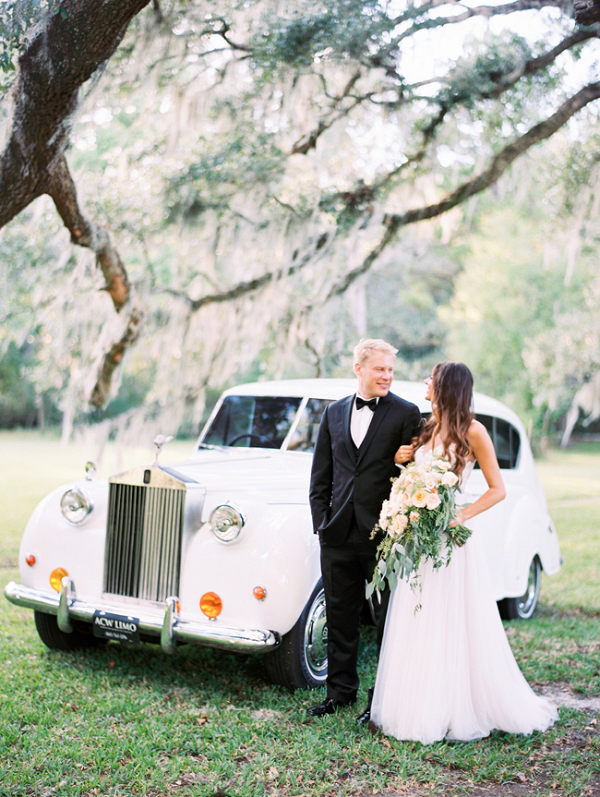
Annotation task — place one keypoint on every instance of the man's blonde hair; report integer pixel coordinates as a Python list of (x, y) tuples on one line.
[(366, 348)]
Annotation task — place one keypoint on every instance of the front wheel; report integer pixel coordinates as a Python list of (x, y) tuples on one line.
[(523, 607), (55, 639), (300, 661)]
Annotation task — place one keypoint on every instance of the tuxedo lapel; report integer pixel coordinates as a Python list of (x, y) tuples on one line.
[(381, 410), (346, 415)]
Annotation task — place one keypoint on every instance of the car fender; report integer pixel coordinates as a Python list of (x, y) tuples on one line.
[(276, 551), (55, 542), (530, 533)]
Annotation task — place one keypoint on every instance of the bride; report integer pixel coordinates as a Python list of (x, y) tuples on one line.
[(447, 670)]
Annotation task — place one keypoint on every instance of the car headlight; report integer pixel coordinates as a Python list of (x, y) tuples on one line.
[(227, 522), (75, 506)]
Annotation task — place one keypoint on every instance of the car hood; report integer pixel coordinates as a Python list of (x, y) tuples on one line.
[(249, 470)]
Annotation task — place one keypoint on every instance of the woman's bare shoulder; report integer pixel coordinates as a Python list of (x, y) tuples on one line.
[(477, 431)]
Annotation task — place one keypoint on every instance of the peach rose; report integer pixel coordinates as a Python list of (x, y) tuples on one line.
[(399, 523), (414, 516), (419, 498)]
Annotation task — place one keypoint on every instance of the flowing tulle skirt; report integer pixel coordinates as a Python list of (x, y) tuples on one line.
[(447, 670)]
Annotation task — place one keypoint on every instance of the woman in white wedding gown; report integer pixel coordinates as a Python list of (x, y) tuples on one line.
[(447, 670)]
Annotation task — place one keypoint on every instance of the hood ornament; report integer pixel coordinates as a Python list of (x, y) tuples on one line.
[(160, 441)]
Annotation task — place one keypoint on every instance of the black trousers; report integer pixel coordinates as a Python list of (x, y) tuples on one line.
[(344, 569)]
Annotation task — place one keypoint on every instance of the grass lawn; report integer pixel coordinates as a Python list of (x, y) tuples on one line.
[(134, 721)]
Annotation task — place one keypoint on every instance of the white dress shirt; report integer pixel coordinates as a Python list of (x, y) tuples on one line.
[(359, 421)]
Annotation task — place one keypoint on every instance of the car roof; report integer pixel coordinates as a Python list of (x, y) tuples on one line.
[(338, 388)]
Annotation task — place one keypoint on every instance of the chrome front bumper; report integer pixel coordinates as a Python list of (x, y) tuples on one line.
[(168, 627)]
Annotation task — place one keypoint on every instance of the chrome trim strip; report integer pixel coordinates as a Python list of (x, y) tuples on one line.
[(240, 640), (166, 632), (65, 599)]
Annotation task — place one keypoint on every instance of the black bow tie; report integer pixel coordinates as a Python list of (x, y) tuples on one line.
[(371, 403)]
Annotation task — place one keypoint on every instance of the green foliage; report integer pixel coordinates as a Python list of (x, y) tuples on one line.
[(505, 296), (480, 73), (478, 83), (16, 19), (17, 396), (220, 149), (341, 30), (239, 160)]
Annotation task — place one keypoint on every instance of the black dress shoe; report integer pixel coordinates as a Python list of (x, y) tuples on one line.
[(328, 706), (365, 717)]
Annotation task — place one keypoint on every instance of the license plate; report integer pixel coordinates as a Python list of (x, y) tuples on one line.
[(117, 627)]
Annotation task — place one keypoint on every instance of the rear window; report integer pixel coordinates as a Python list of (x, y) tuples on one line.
[(252, 421), (506, 439)]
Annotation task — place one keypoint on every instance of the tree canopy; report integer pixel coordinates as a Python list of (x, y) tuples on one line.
[(239, 170)]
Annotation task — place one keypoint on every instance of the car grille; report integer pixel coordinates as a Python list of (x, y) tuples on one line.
[(144, 533)]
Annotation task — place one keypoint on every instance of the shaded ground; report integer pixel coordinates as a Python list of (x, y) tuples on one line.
[(562, 695)]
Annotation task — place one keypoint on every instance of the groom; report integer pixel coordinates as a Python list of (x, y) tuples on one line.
[(352, 467)]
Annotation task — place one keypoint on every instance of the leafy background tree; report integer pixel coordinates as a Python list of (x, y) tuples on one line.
[(246, 188)]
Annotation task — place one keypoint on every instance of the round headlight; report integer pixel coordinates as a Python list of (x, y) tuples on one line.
[(75, 506), (226, 522)]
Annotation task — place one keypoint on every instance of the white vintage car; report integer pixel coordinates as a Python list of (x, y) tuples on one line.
[(219, 550)]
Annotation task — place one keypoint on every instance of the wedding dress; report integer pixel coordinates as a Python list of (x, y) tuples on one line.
[(447, 670)]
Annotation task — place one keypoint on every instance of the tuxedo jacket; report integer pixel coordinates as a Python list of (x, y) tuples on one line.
[(347, 482)]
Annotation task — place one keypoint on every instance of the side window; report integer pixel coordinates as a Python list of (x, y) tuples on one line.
[(305, 435), (505, 438)]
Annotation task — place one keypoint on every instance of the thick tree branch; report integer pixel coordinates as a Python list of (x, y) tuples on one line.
[(486, 178), (478, 11), (62, 56), (247, 287), (363, 194), (587, 11), (84, 232), (503, 159), (533, 65), (118, 336)]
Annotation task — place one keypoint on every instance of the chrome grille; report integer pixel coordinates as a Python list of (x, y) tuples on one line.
[(144, 533)]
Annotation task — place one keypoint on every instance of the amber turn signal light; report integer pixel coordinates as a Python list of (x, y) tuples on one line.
[(260, 593), (56, 576), (211, 605)]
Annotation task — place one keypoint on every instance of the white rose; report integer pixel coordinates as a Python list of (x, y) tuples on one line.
[(384, 514), (432, 480), (450, 479), (433, 501)]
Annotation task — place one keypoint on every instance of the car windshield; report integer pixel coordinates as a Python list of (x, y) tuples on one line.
[(252, 421)]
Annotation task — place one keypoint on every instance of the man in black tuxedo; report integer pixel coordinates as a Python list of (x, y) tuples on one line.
[(352, 467)]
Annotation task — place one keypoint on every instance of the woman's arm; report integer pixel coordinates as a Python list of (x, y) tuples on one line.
[(483, 451)]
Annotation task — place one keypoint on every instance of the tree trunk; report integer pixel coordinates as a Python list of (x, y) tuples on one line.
[(62, 56)]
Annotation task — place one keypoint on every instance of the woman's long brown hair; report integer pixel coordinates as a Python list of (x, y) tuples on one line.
[(452, 406)]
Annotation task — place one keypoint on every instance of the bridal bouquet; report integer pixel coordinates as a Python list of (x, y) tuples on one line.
[(415, 521)]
